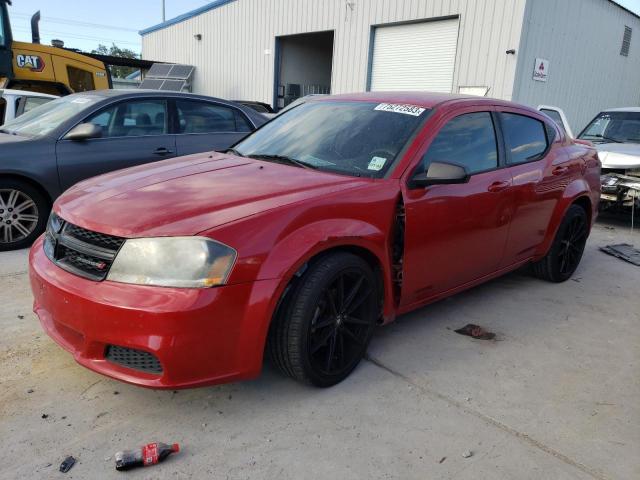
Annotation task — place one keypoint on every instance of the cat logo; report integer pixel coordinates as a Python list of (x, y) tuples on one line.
[(32, 62)]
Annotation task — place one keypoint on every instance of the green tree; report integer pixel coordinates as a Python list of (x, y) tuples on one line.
[(115, 51)]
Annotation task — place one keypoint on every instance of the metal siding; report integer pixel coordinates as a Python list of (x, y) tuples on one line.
[(231, 62), (582, 40)]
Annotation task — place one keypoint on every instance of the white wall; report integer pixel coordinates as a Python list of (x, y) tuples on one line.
[(235, 58), (582, 40)]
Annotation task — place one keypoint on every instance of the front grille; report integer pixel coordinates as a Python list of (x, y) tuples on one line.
[(134, 359), (83, 252), (94, 238)]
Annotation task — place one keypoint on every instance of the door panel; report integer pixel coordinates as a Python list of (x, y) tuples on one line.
[(455, 234), (205, 142), (84, 159)]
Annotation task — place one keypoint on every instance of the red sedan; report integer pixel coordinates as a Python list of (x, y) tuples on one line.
[(337, 216)]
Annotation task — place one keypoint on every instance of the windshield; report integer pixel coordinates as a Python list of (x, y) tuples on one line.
[(351, 138), (41, 120), (614, 127)]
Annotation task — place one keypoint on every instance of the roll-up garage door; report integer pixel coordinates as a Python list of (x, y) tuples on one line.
[(415, 56)]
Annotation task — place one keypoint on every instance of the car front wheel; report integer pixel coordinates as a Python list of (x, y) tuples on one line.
[(322, 331), (23, 214), (567, 248)]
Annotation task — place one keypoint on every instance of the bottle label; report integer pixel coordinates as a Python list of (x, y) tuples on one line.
[(150, 454)]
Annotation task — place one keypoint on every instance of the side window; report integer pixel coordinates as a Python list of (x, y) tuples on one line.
[(525, 137), (555, 116), (132, 119), (80, 80), (203, 117), (26, 104), (468, 140)]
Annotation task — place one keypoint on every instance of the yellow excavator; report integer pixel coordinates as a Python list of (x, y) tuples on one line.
[(52, 69)]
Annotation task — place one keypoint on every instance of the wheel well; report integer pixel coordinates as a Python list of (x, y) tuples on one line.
[(31, 182), (361, 252), (585, 203)]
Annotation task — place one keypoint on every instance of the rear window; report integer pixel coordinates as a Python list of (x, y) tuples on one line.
[(525, 137)]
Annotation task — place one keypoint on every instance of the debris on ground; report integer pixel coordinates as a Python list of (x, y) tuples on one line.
[(624, 251), (21, 317), (467, 454), (148, 455), (475, 331), (31, 390), (67, 464), (442, 460)]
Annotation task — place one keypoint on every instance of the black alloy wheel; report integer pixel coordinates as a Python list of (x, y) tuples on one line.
[(567, 248), (326, 325)]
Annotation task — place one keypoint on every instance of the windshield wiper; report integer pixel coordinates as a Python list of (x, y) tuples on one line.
[(608, 139), (282, 159)]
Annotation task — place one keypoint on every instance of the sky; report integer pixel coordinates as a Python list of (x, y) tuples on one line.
[(84, 24)]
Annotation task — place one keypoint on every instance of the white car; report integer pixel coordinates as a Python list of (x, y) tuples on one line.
[(14, 103), (616, 134)]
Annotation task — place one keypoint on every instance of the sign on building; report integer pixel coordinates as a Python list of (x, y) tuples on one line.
[(541, 70)]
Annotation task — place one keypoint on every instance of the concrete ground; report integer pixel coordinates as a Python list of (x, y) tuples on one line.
[(556, 396)]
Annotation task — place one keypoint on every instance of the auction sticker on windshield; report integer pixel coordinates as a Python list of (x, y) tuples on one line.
[(399, 108), (377, 163)]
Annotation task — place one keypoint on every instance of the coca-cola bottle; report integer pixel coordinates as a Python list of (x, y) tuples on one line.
[(150, 454)]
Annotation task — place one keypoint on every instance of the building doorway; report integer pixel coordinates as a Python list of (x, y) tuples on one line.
[(303, 66)]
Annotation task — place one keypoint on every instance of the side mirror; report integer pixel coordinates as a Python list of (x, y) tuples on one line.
[(440, 173), (84, 131)]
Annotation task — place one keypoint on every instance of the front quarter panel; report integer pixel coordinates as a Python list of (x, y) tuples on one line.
[(278, 243), (31, 159)]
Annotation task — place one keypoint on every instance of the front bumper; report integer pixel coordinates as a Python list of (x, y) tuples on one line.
[(620, 189), (199, 336)]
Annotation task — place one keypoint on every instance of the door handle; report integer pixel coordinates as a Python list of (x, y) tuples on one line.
[(498, 186), (560, 170), (162, 151)]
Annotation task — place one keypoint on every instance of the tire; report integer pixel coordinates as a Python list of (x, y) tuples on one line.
[(24, 211), (319, 334), (567, 248)]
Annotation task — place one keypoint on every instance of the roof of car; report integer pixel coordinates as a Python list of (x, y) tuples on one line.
[(25, 93), (623, 109), (421, 99)]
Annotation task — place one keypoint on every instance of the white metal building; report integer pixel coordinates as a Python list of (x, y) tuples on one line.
[(581, 55)]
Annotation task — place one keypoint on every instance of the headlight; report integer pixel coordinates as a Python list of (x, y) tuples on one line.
[(186, 262)]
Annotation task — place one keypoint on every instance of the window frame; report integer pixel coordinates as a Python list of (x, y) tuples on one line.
[(237, 111), (115, 104), (545, 127), (499, 137)]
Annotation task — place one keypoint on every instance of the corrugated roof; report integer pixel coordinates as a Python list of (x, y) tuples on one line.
[(186, 16), (220, 3)]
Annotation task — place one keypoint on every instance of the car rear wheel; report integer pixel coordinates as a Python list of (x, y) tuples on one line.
[(565, 253), (325, 325), (23, 214)]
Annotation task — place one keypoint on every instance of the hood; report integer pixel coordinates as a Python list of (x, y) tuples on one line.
[(619, 155), (188, 195)]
